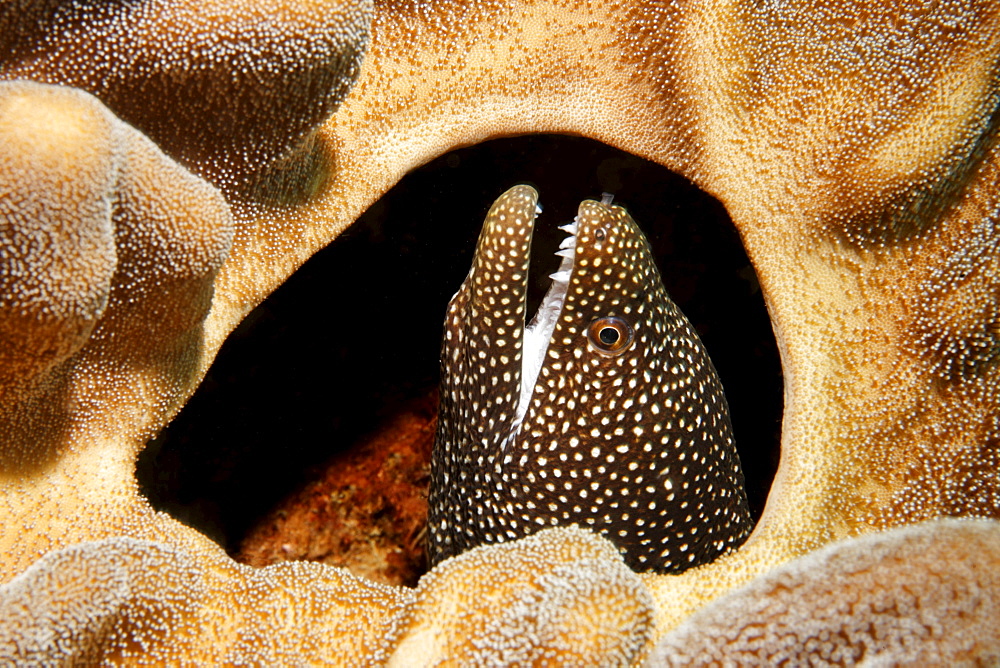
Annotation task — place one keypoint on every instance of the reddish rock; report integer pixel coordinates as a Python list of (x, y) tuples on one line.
[(367, 512)]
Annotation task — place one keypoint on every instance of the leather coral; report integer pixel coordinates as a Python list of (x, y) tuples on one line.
[(853, 144)]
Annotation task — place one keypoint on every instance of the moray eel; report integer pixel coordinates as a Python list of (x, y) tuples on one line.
[(604, 412)]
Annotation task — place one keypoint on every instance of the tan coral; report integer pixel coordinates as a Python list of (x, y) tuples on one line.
[(56, 277), (223, 87), (71, 429), (853, 144), (160, 235), (917, 595), (117, 598), (561, 597), (127, 600)]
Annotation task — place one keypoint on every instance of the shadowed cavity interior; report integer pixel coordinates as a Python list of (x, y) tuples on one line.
[(318, 410)]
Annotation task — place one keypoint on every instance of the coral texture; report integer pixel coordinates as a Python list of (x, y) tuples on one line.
[(562, 596), (224, 87), (118, 598), (110, 250), (854, 145), (924, 594), (122, 599), (105, 236)]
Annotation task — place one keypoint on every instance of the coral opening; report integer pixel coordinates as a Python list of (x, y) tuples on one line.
[(310, 436)]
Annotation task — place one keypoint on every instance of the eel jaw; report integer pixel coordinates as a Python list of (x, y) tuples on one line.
[(491, 302), (538, 333)]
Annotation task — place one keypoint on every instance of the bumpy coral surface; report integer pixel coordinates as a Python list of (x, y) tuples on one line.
[(921, 595), (105, 236), (110, 250), (119, 596), (122, 599), (225, 87), (561, 597), (853, 144)]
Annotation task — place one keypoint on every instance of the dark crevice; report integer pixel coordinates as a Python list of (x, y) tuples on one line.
[(355, 333)]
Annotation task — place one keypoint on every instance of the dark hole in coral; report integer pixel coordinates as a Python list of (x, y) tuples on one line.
[(288, 397)]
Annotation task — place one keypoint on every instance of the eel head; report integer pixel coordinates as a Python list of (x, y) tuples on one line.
[(604, 411)]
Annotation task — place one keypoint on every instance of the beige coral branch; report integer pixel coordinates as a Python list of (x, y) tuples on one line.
[(110, 250), (854, 145), (223, 87), (919, 595), (563, 596), (118, 598), (127, 600)]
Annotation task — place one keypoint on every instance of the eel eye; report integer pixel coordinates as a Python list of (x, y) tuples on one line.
[(609, 336)]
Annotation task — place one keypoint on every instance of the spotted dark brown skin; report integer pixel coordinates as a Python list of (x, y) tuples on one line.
[(625, 430)]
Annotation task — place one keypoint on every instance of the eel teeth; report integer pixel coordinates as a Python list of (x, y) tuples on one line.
[(568, 242), (561, 276)]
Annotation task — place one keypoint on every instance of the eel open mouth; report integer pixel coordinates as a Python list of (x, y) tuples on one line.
[(538, 331)]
